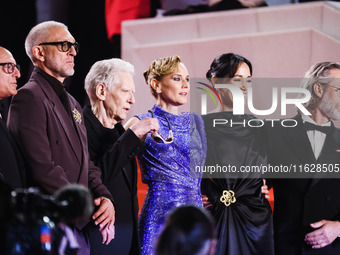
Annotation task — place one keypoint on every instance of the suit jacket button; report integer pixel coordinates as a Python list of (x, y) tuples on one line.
[(328, 199)]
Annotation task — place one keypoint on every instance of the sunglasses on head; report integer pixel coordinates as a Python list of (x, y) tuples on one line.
[(158, 138)]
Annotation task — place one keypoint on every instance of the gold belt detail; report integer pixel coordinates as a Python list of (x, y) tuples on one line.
[(228, 197)]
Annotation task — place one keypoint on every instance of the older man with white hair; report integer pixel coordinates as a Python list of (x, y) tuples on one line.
[(110, 87)]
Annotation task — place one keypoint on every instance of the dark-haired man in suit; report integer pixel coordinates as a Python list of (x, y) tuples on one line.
[(307, 210), (48, 126)]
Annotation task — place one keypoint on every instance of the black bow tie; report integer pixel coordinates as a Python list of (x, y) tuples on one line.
[(324, 129)]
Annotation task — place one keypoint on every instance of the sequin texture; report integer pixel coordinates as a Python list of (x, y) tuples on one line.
[(166, 170)]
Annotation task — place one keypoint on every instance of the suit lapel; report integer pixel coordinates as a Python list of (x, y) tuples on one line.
[(64, 119), (16, 152), (128, 180), (332, 145), (3, 126), (77, 119), (329, 153)]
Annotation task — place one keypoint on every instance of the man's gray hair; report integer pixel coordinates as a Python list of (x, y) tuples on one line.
[(39, 34), (318, 73), (105, 72)]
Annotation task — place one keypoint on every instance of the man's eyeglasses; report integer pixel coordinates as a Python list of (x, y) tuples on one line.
[(158, 138), (64, 46), (337, 90), (10, 67)]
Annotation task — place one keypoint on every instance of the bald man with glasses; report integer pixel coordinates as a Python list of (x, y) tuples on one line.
[(47, 124), (11, 168)]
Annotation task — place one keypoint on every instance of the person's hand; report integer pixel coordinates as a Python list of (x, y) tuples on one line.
[(327, 231), (264, 189), (105, 215), (251, 3), (205, 201), (144, 126), (108, 233)]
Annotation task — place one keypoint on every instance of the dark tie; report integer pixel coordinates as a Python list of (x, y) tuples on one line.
[(324, 129)]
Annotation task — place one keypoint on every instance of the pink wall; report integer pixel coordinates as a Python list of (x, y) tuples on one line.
[(281, 42)]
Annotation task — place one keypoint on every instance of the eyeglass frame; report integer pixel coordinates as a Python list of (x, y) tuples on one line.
[(157, 135), (337, 89), (12, 65), (69, 45)]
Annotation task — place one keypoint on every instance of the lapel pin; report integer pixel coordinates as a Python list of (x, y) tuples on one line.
[(76, 116)]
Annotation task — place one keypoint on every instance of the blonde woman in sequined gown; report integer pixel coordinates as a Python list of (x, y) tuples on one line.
[(169, 152)]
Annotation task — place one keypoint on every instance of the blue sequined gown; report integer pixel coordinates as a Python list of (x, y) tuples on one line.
[(166, 170)]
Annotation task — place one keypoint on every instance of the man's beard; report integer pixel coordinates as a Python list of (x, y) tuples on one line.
[(329, 107)]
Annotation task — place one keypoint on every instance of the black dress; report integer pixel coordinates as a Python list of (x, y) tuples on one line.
[(242, 213), (113, 151)]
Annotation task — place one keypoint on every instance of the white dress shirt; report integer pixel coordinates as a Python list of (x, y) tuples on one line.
[(316, 138)]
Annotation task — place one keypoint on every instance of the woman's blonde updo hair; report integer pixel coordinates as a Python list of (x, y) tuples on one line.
[(159, 68)]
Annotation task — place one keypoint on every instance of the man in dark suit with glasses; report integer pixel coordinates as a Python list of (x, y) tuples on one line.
[(307, 209), (47, 124), (11, 168), (12, 171)]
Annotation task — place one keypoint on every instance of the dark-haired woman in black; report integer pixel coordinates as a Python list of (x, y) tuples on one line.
[(242, 213)]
